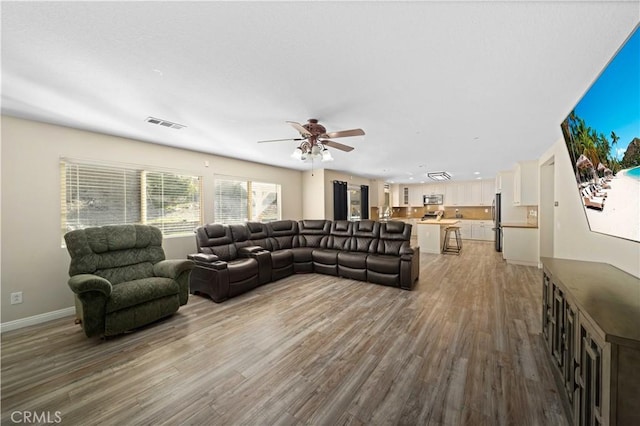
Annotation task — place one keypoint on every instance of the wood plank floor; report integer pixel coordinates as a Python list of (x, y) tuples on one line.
[(464, 348)]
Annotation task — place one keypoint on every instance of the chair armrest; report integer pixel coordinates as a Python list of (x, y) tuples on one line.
[(171, 268), (202, 257), (83, 283), (208, 261)]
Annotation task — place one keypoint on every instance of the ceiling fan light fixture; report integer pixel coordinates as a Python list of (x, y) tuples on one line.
[(326, 155), (297, 154), (440, 176)]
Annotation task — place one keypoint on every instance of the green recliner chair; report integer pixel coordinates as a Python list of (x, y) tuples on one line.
[(121, 279)]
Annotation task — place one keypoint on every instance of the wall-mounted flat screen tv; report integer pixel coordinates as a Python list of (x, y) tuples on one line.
[(602, 134)]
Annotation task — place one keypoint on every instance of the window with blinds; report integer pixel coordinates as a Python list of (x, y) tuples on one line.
[(97, 195), (241, 200)]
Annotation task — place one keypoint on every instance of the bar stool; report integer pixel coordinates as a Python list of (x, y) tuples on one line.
[(448, 248)]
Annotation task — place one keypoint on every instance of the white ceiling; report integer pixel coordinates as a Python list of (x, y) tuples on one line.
[(458, 86)]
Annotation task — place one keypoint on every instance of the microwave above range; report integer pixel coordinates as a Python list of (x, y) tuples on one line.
[(434, 199)]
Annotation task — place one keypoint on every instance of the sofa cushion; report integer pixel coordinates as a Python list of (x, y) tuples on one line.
[(281, 258), (352, 260), (302, 254), (325, 256), (242, 269), (131, 293), (383, 264), (283, 234), (365, 236), (340, 237), (394, 238), (313, 233)]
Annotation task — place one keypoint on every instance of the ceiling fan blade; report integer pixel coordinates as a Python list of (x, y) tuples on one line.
[(337, 145), (304, 132), (282, 140), (345, 133)]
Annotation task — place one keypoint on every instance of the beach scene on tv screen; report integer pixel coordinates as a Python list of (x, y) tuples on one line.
[(602, 134)]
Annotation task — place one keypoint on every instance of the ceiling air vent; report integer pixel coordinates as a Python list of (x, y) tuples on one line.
[(439, 175), (164, 123)]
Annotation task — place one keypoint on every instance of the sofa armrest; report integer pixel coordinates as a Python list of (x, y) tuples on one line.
[(202, 257), (210, 261), (406, 249), (172, 268), (83, 283), (249, 250)]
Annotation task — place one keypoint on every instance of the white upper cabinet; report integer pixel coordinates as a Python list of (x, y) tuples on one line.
[(469, 193), (488, 192), (473, 193), (454, 194), (415, 195), (525, 183)]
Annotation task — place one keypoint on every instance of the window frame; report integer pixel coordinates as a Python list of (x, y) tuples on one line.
[(249, 208), (141, 172)]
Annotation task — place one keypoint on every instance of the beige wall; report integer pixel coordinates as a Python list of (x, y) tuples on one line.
[(572, 238), (313, 198), (33, 260)]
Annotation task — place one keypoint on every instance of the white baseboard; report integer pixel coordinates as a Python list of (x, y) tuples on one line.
[(36, 319)]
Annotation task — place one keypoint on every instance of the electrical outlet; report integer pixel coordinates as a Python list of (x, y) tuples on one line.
[(16, 298)]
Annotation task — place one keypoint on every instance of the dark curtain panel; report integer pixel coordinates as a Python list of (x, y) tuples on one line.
[(364, 200), (339, 200)]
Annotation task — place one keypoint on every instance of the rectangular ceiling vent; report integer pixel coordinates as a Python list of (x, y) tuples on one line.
[(164, 123), (439, 175)]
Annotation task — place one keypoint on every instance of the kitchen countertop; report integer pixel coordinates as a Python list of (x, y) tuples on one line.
[(519, 225), (442, 222)]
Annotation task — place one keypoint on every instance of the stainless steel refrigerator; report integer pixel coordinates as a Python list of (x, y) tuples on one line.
[(497, 225)]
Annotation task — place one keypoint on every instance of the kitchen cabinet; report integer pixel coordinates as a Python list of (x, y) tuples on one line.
[(482, 230), (454, 194), (477, 230), (415, 195), (590, 314), (472, 193), (433, 188), (525, 184), (465, 229), (488, 192), (404, 195), (469, 193), (520, 244)]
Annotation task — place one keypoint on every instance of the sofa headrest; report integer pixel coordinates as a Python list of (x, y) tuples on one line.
[(239, 233), (213, 234), (283, 226), (366, 228), (92, 249), (395, 230), (342, 228), (113, 237), (314, 227), (257, 230)]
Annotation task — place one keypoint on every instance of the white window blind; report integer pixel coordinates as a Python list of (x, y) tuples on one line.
[(240, 200), (97, 195)]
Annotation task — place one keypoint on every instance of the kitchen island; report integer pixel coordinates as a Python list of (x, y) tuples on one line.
[(431, 234)]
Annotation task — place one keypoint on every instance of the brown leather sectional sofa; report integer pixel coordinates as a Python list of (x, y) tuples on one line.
[(234, 259)]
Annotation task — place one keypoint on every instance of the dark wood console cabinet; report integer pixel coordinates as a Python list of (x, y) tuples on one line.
[(591, 327)]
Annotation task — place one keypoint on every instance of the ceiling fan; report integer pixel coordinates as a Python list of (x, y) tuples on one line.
[(315, 140)]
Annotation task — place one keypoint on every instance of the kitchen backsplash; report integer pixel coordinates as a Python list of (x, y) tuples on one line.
[(478, 213)]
